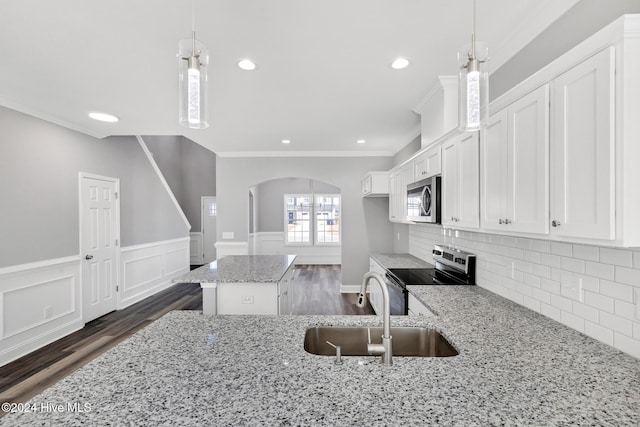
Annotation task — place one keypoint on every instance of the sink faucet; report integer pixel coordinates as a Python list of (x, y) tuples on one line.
[(384, 349)]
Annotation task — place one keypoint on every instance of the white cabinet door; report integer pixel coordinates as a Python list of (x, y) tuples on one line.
[(285, 292), (460, 181), (375, 293), (583, 142), (417, 308), (449, 197), (427, 164), (515, 159), (493, 180), (469, 182), (394, 195), (528, 165), (398, 180)]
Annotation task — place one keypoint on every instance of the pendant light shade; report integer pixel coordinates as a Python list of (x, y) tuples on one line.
[(473, 80), (193, 60)]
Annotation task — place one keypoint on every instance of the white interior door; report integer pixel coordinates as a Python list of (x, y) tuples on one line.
[(209, 215), (99, 234)]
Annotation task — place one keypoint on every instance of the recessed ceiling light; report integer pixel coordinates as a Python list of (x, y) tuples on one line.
[(361, 141), (247, 64), (400, 63), (103, 117), (286, 141)]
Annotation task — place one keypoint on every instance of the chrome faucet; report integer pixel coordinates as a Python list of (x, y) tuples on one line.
[(384, 349)]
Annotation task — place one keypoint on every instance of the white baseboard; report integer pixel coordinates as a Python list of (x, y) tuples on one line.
[(349, 289)]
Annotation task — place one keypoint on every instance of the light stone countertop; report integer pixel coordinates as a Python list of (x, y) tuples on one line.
[(240, 269), (400, 261), (515, 367)]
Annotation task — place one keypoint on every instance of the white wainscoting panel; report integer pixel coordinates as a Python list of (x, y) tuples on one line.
[(272, 243), (195, 248), (39, 303), (149, 268), (231, 248)]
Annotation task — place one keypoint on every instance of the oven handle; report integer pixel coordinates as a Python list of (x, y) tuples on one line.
[(394, 281)]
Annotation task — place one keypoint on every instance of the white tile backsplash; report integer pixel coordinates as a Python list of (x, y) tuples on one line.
[(630, 276), (616, 257), (598, 269), (595, 290)]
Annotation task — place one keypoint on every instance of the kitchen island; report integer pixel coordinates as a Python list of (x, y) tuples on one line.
[(515, 367), (245, 284)]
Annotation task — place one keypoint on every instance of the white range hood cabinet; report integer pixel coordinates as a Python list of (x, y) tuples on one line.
[(439, 110)]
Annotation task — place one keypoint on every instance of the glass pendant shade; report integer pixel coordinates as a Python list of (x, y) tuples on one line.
[(473, 89), (193, 60)]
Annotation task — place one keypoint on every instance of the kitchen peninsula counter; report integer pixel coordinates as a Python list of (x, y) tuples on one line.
[(240, 269), (515, 367), (245, 284)]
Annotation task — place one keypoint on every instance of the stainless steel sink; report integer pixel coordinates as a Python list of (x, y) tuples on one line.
[(407, 341)]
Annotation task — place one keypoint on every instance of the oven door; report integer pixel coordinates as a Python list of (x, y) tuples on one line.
[(398, 296)]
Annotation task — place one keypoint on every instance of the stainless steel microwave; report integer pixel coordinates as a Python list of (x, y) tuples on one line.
[(423, 200)]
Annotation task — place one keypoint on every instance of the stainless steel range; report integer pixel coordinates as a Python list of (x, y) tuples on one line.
[(452, 267)]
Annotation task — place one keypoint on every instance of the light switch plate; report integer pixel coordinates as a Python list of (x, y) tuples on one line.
[(247, 300)]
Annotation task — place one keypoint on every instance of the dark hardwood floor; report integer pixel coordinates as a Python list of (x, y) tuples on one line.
[(317, 291)]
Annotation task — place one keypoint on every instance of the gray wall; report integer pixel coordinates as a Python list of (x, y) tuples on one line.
[(39, 167), (577, 24), (407, 151), (365, 222), (188, 168), (270, 199)]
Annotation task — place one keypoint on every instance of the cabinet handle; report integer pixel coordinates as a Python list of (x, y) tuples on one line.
[(500, 221), (506, 221), (555, 223)]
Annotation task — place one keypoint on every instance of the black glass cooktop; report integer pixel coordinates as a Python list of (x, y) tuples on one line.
[(414, 276), (424, 276)]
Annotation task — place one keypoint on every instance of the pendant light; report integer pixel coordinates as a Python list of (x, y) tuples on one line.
[(193, 60), (473, 78)]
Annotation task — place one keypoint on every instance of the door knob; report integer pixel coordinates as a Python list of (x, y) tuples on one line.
[(89, 257)]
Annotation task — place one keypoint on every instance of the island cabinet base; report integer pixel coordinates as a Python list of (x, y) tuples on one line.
[(246, 298)]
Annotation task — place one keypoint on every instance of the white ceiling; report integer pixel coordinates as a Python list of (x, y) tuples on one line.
[(323, 80)]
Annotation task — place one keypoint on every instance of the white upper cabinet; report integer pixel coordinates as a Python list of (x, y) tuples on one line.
[(427, 164), (398, 180), (514, 159), (583, 150), (375, 184), (460, 186)]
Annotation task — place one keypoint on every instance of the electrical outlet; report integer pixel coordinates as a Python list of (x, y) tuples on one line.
[(48, 312), (571, 287), (247, 300), (228, 234)]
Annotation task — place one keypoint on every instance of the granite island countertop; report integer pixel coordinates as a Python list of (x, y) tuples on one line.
[(240, 269), (515, 367)]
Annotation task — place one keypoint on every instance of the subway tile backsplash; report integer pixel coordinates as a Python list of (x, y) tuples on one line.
[(595, 290)]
